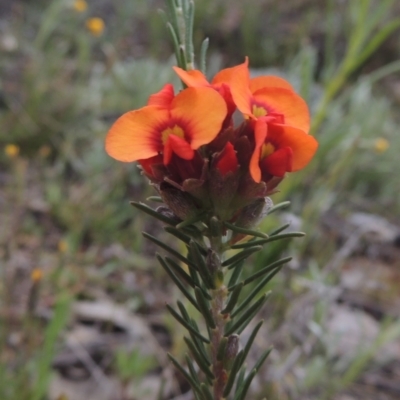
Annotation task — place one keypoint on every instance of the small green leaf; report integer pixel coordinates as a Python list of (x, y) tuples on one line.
[(279, 230), (237, 271), (176, 280), (188, 377), (189, 221), (247, 316), (279, 206), (179, 270), (183, 311), (186, 324), (189, 18), (204, 307), (267, 269), (244, 387), (156, 199), (169, 249), (232, 375), (261, 360), (199, 344), (280, 236), (250, 342), (206, 391), (240, 256), (233, 298), (245, 231), (240, 378), (148, 210), (178, 234), (255, 291), (200, 262), (203, 55), (201, 362)]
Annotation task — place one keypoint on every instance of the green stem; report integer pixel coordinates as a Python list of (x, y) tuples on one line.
[(217, 305), (218, 302)]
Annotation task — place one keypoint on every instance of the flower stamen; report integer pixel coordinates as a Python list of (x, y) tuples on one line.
[(259, 111), (175, 130), (266, 150)]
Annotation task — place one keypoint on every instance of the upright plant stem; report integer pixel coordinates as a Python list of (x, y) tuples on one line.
[(219, 296), (218, 301)]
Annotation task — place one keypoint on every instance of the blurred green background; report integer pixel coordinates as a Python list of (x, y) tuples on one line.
[(68, 236)]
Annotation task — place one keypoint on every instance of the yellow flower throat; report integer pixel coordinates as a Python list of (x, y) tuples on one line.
[(176, 130), (259, 111), (266, 150)]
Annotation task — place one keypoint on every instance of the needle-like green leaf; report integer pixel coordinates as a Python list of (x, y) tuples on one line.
[(169, 249), (204, 308), (240, 256), (234, 297), (176, 280), (148, 210), (279, 206), (186, 324), (261, 242), (247, 316), (245, 231)]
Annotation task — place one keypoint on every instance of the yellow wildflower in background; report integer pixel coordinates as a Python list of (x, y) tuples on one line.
[(381, 145), (95, 25), (11, 150), (36, 275), (62, 246), (80, 5)]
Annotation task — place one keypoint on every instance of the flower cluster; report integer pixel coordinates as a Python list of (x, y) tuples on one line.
[(217, 146)]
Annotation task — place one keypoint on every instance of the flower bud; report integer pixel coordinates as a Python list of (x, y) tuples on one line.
[(231, 351), (180, 203), (213, 262), (167, 213), (252, 214)]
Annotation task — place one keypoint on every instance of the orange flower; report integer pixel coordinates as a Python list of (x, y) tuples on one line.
[(280, 149), (267, 98), (280, 117), (195, 78), (168, 125)]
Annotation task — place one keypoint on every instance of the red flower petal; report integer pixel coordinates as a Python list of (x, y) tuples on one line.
[(135, 135), (260, 134), (303, 145), (148, 163), (163, 98), (278, 163), (179, 146), (227, 160)]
